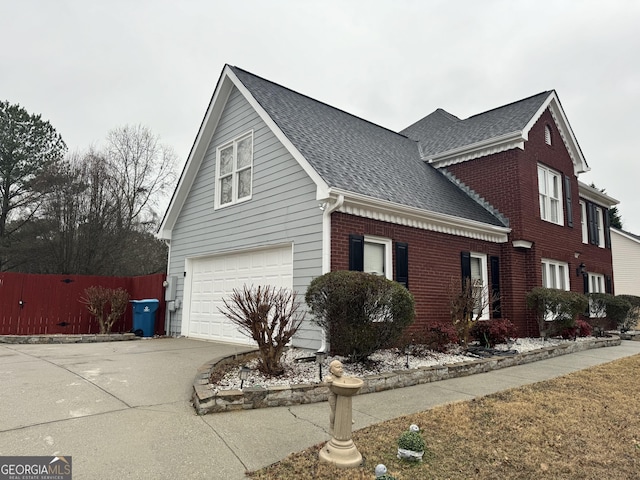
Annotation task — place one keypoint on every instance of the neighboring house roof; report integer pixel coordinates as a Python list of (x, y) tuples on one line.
[(631, 236), (445, 139), (355, 155)]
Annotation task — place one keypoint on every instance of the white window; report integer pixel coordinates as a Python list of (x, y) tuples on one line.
[(596, 285), (600, 226), (480, 285), (555, 274), (550, 189), (234, 171), (547, 134), (377, 256), (583, 222)]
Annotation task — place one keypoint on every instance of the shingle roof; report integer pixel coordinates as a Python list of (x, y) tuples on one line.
[(440, 131), (355, 155)]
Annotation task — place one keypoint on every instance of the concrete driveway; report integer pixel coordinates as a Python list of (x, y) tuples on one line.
[(122, 409)]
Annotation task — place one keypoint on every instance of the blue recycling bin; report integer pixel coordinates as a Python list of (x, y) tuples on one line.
[(144, 316)]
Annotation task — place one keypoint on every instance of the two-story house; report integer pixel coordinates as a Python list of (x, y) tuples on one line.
[(280, 188)]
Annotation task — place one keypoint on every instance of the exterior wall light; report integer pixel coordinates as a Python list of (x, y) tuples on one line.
[(243, 374), (320, 358)]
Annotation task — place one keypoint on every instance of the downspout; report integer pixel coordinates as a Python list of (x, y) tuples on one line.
[(167, 315), (328, 208)]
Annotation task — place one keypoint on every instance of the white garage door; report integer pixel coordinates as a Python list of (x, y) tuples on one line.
[(214, 278)]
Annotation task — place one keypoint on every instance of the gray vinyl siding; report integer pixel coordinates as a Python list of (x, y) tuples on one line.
[(283, 209)]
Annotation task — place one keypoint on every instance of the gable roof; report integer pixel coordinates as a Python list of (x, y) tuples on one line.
[(445, 139), (346, 156), (354, 155)]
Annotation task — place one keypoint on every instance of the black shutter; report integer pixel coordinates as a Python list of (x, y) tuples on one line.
[(608, 287), (356, 252), (465, 261), (606, 228), (585, 282), (592, 224), (495, 286), (402, 263), (568, 202)]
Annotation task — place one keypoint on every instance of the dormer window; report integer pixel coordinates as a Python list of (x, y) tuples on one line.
[(547, 134)]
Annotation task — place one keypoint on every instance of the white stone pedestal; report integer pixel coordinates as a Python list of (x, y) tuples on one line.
[(341, 450)]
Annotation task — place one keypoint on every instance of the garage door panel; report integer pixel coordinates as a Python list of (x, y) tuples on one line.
[(215, 278)]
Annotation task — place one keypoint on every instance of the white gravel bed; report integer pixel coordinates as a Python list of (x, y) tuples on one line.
[(308, 372)]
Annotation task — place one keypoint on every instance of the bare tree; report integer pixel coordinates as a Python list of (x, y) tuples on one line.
[(142, 171)]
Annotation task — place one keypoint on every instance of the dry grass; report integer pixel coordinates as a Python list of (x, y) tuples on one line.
[(582, 426)]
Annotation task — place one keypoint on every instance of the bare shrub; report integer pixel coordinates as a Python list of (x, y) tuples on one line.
[(106, 304), (271, 316), (468, 304)]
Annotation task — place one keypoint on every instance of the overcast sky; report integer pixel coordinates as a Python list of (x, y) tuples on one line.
[(89, 66)]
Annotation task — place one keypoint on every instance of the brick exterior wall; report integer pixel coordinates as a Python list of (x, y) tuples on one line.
[(434, 260), (509, 181)]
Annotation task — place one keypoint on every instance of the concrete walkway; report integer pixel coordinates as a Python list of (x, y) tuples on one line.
[(122, 409)]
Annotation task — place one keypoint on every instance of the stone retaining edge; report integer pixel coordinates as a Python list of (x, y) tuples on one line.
[(64, 338), (206, 401)]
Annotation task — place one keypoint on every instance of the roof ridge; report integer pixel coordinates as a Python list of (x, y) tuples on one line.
[(546, 92), (474, 196), (446, 114), (320, 102)]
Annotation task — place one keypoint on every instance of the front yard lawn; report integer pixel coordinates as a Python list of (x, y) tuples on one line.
[(582, 426)]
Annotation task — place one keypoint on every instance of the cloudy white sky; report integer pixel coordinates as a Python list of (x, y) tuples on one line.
[(89, 66)]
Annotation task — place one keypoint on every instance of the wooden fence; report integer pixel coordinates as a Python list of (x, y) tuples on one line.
[(51, 304)]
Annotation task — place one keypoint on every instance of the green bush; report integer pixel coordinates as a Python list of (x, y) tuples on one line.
[(556, 309), (361, 312), (633, 315), (411, 441), (605, 304)]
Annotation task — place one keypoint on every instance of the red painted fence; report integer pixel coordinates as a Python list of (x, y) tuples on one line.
[(49, 304)]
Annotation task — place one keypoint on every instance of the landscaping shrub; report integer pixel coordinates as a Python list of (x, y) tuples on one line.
[(492, 332), (580, 329), (106, 304), (467, 306), (269, 315), (361, 312), (556, 309), (606, 305), (437, 337), (630, 322)]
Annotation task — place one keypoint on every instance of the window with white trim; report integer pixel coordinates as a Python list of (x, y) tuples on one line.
[(555, 274), (234, 171), (596, 285), (583, 222), (377, 256), (480, 285), (550, 193)]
